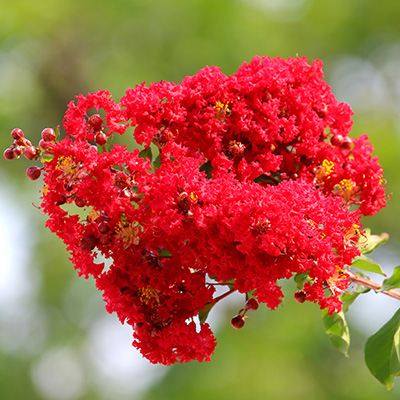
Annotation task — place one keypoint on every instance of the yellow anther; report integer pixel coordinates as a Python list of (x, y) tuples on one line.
[(346, 188), (194, 197), (221, 109), (352, 234), (128, 233), (93, 215), (324, 170), (67, 166), (334, 280), (148, 295)]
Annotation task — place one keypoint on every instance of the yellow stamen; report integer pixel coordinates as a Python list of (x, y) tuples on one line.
[(128, 233), (352, 234), (148, 295), (335, 279), (324, 170), (93, 215), (194, 197), (346, 188), (236, 148), (221, 109), (67, 166)]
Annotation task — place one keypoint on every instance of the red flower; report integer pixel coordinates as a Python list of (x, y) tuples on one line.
[(247, 190)]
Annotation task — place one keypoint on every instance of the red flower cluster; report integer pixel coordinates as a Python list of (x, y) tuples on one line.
[(253, 182)]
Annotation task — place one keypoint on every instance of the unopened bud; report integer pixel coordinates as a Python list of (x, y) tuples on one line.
[(237, 321), (17, 134), (300, 296), (252, 304), (33, 173)]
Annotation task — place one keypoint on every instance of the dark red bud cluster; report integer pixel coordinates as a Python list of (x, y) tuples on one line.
[(23, 146), (238, 321), (95, 124), (344, 142)]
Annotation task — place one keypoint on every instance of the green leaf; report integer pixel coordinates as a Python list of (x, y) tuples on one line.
[(382, 352), (108, 144), (46, 158), (337, 330), (373, 241), (157, 162), (301, 279), (366, 264), (146, 153), (164, 253), (393, 282), (203, 314), (57, 132), (251, 294)]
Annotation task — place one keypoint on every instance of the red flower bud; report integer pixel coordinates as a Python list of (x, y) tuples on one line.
[(95, 122), (48, 135), (8, 154), (300, 296), (237, 321), (337, 140), (103, 227), (101, 139), (30, 152), (17, 151), (252, 304), (33, 173), (17, 134), (45, 145), (347, 143)]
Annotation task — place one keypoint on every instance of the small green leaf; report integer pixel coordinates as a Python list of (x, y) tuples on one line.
[(157, 162), (301, 279), (108, 144), (165, 253), (47, 158), (374, 241), (382, 352), (393, 282), (366, 264), (57, 132), (146, 153), (203, 314), (251, 294), (337, 330)]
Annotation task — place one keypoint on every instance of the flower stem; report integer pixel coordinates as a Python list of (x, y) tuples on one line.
[(217, 299), (368, 283)]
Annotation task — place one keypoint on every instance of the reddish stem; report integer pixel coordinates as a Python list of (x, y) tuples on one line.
[(371, 284)]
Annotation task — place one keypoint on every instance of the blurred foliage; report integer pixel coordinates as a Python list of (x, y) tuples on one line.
[(52, 50)]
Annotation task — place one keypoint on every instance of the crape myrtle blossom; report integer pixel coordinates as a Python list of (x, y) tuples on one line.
[(256, 180)]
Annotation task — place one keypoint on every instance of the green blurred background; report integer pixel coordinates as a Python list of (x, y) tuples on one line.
[(56, 339)]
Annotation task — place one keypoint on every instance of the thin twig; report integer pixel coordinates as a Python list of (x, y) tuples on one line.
[(217, 299), (371, 284)]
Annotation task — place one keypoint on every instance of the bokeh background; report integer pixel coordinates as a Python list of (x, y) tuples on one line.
[(56, 340)]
